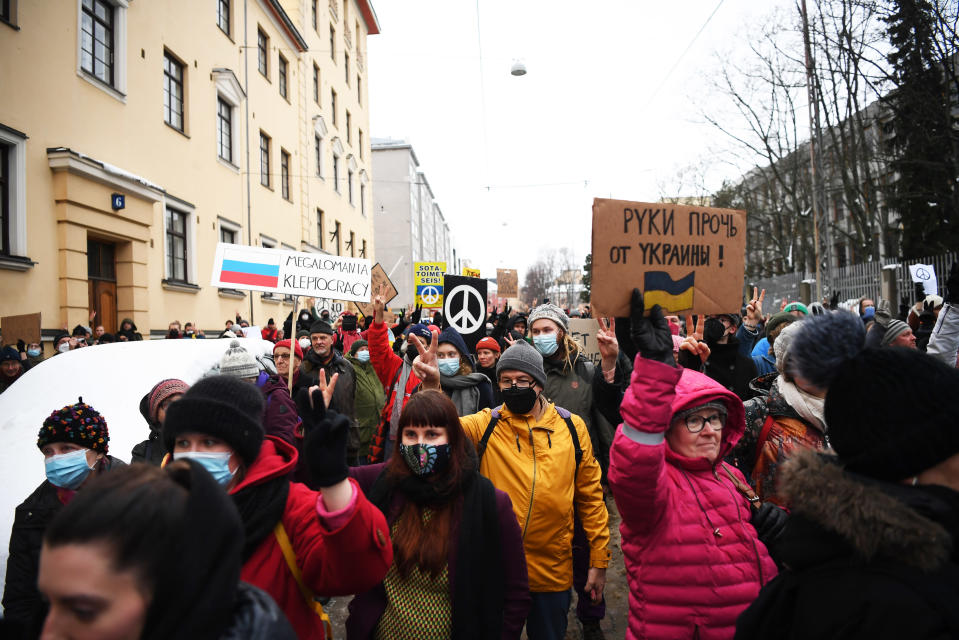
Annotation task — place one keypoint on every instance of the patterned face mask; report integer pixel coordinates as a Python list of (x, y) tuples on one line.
[(426, 459)]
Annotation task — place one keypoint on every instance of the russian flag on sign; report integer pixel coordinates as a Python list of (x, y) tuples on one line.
[(262, 272)]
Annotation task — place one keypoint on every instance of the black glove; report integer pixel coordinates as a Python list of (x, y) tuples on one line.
[(21, 345), (770, 521), (415, 318), (834, 300), (651, 335), (325, 444), (919, 291), (952, 285)]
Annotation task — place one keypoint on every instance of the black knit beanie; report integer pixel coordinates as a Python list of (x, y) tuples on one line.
[(892, 413), (321, 326), (78, 424), (221, 406)]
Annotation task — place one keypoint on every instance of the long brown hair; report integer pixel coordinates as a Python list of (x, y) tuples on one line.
[(417, 543)]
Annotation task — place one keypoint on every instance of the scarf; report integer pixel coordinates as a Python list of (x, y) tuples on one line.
[(463, 390), (478, 592), (399, 397), (809, 407), (261, 506)]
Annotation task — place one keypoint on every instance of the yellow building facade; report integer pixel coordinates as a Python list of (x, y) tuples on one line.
[(136, 134)]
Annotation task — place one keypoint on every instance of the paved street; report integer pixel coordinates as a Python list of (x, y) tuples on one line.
[(617, 592)]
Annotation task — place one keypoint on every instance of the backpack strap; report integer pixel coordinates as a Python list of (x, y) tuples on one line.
[(743, 488), (568, 418), (763, 436), (481, 445), (284, 541)]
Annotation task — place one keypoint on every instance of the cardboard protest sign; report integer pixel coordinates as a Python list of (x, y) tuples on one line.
[(583, 331), (686, 259), (507, 283), (926, 274), (471, 273), (379, 278), (464, 308), (428, 282), (25, 327), (291, 272)]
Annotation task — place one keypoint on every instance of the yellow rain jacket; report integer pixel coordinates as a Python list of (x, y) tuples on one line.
[(535, 463)]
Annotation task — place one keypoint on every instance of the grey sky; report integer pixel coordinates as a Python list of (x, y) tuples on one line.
[(598, 114)]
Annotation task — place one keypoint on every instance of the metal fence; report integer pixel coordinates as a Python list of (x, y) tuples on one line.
[(856, 280)]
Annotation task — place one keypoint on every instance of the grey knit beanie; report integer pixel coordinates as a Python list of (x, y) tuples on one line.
[(238, 362), (550, 312), (894, 329), (523, 357), (782, 343)]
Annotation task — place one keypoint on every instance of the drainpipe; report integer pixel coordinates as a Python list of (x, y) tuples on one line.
[(246, 87)]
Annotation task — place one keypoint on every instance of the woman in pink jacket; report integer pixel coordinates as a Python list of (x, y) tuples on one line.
[(694, 559)]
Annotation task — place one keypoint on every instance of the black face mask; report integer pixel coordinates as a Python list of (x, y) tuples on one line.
[(713, 330), (519, 401)]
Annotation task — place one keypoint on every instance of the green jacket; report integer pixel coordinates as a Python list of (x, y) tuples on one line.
[(369, 399)]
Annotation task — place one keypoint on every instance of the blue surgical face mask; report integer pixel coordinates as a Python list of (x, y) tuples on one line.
[(363, 356), (68, 470), (546, 343), (216, 462), (33, 353), (448, 366)]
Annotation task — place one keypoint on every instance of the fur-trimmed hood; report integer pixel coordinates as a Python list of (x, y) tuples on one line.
[(878, 520)]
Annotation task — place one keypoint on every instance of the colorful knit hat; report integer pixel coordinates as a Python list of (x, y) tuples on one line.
[(163, 390), (238, 362), (78, 424)]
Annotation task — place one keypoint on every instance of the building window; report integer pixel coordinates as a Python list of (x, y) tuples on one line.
[(97, 39), (229, 231), (349, 127), (172, 92), (224, 129), (264, 159), (363, 199), (281, 68), (336, 172), (176, 246), (5, 13), (4, 199), (333, 105), (333, 43), (336, 238), (363, 249), (13, 209), (318, 151), (263, 53), (316, 84), (319, 228), (359, 140), (349, 184), (351, 243), (284, 174), (223, 15), (346, 67), (313, 13), (359, 89)]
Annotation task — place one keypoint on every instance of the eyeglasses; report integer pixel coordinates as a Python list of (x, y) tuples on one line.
[(519, 384), (695, 423), (281, 356)]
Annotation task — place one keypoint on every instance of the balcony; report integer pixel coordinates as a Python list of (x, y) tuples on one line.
[(360, 64), (347, 36), (333, 15)]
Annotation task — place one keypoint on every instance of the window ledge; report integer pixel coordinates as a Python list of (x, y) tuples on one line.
[(185, 287), (231, 293), (180, 131), (15, 27), (16, 263), (103, 86), (269, 297), (228, 164)]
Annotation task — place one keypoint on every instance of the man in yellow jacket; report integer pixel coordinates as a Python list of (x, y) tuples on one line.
[(542, 457)]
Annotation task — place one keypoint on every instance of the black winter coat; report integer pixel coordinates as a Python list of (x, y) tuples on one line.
[(257, 617), (861, 559), (730, 368), (21, 600)]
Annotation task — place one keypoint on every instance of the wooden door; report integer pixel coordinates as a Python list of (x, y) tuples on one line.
[(102, 278)]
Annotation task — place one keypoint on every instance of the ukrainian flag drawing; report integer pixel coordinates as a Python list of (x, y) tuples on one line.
[(672, 295)]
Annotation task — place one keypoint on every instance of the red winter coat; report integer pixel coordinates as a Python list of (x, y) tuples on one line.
[(684, 580), (388, 366), (351, 559)]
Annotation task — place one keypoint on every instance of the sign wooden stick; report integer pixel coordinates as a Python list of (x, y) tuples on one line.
[(289, 369)]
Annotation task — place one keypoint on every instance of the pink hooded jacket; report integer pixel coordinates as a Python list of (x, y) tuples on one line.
[(693, 558)]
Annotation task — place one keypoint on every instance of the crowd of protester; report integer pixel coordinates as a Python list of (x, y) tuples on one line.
[(777, 474)]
